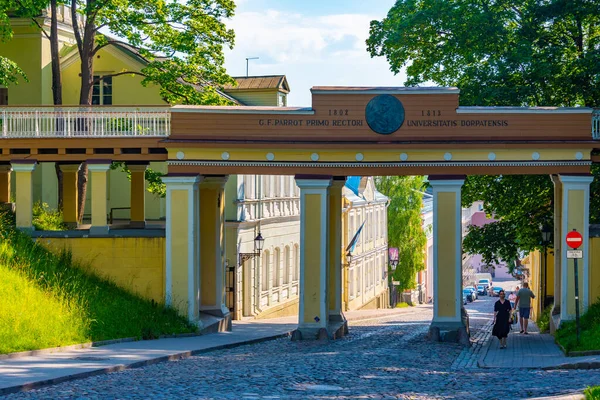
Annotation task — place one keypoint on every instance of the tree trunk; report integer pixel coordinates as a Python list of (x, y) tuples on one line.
[(56, 88), (85, 98)]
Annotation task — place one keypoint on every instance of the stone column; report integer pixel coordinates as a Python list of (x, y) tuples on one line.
[(575, 215), (448, 323), (212, 240), (558, 244), (98, 170), (337, 321), (182, 289), (70, 195), (5, 170), (314, 244), (138, 195), (24, 193)]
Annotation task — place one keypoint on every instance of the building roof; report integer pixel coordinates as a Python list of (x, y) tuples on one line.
[(266, 82)]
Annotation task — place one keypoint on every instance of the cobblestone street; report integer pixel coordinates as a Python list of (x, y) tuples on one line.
[(381, 358)]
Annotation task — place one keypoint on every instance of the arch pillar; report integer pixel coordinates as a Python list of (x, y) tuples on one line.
[(70, 194), (99, 170), (5, 170), (575, 214), (138, 195), (336, 315), (313, 317), (212, 248), (182, 283), (448, 323), (23, 170)]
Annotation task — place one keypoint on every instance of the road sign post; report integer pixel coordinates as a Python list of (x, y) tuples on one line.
[(574, 240)]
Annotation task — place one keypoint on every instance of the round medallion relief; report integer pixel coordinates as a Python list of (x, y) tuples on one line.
[(384, 114)]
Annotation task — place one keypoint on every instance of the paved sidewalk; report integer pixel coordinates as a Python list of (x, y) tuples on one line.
[(536, 350), (33, 371)]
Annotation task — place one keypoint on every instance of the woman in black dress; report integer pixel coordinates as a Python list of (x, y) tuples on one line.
[(502, 310)]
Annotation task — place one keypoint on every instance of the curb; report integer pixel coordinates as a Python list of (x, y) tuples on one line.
[(138, 364), (87, 345)]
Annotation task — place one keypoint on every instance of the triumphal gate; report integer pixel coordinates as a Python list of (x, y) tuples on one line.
[(347, 131)]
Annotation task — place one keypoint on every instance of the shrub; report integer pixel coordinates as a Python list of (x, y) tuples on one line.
[(592, 393), (590, 331), (543, 321), (46, 219)]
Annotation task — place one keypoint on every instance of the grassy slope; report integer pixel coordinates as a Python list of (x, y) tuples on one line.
[(590, 331), (592, 393), (46, 300)]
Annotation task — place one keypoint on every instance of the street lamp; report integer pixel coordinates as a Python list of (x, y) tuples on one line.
[(348, 258), (546, 235), (259, 242), (393, 258)]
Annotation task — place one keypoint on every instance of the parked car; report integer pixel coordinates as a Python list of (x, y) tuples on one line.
[(496, 291), (473, 290), (481, 290), (485, 282), (469, 294), (464, 297)]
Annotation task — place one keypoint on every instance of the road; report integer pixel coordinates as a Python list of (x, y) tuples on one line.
[(382, 358)]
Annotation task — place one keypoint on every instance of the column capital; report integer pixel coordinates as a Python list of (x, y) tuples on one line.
[(23, 165), (313, 181), (70, 167), (447, 181), (137, 167), (338, 182), (576, 179), (217, 181), (97, 167), (181, 180)]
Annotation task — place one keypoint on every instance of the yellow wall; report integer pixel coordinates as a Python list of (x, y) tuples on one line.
[(447, 254), (312, 257), (136, 264), (127, 89)]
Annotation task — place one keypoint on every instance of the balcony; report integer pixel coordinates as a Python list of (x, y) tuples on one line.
[(83, 122)]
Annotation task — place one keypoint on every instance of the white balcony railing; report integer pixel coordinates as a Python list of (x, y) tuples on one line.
[(596, 123), (51, 122)]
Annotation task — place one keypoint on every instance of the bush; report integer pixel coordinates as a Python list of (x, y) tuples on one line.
[(543, 321), (46, 219), (590, 331), (48, 300), (402, 305), (592, 393)]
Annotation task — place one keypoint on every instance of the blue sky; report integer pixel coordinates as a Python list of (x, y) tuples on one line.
[(314, 43)]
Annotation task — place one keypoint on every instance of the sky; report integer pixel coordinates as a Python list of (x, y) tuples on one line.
[(314, 43)]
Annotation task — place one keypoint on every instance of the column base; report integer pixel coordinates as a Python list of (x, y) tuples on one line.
[(99, 230), (335, 330), (137, 224), (215, 321), (451, 331)]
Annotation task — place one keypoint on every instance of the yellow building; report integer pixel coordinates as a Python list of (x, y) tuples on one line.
[(364, 237)]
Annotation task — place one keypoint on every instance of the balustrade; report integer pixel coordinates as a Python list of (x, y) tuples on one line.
[(81, 121)]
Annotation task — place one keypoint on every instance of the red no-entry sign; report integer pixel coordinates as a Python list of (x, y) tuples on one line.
[(574, 239)]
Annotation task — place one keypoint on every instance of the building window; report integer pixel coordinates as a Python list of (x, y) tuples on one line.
[(264, 273), (102, 91), (286, 260), (3, 96), (282, 100), (277, 263), (296, 263)]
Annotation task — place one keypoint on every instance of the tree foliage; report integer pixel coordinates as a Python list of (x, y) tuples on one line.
[(181, 43), (501, 52), (405, 225), (498, 52)]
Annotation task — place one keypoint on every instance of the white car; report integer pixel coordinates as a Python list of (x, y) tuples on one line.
[(473, 290)]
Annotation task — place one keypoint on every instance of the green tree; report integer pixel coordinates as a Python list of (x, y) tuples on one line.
[(501, 52), (405, 229)]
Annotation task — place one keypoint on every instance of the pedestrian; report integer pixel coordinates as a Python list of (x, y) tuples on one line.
[(512, 297), (523, 302), (502, 311)]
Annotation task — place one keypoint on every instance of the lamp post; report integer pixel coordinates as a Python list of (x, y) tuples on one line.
[(546, 234), (393, 258), (259, 242)]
